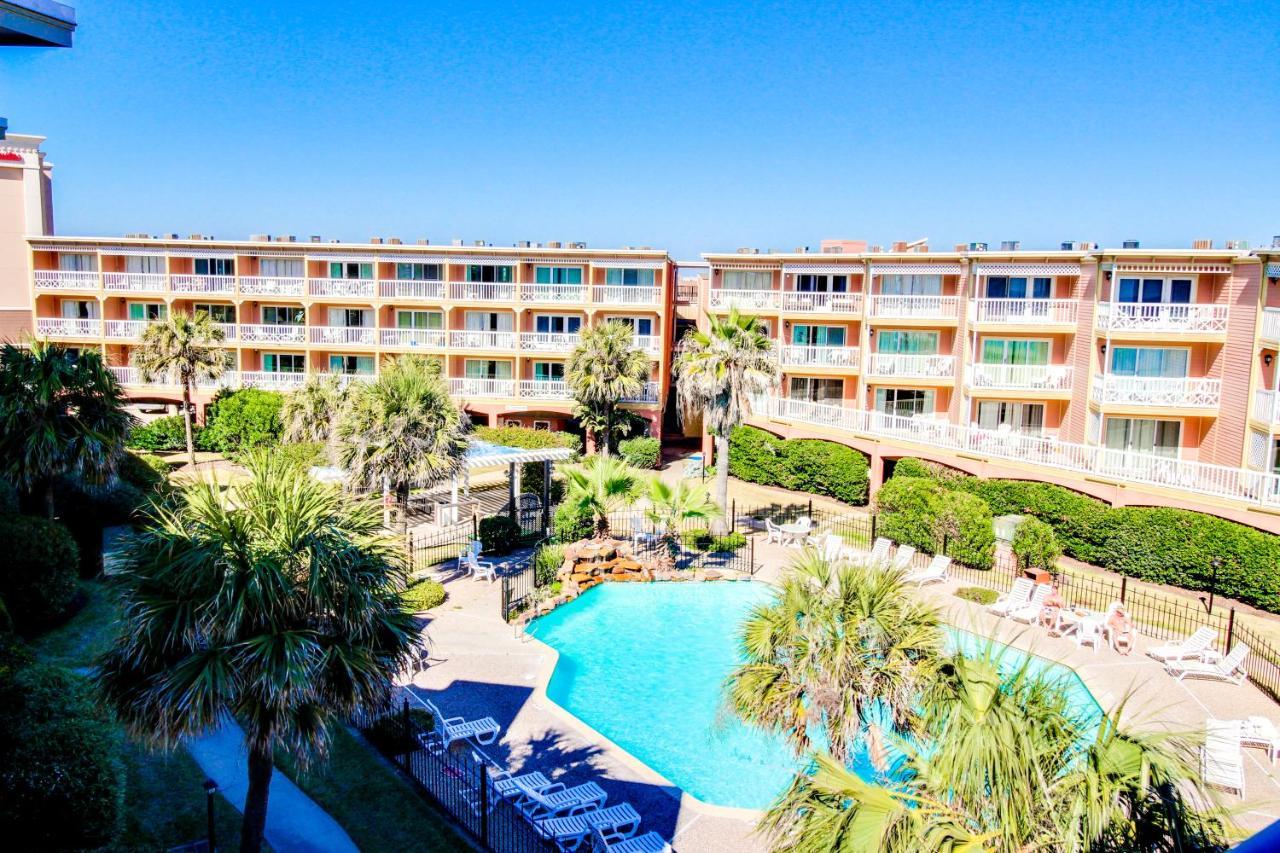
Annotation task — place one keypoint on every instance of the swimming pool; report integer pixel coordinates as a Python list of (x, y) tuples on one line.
[(644, 664)]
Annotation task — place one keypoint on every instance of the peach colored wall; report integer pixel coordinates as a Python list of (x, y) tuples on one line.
[(1224, 439)]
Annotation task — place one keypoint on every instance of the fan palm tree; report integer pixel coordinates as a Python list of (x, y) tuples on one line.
[(276, 602), (599, 486), (60, 415), (842, 650), (187, 347), (717, 373), (312, 413), (404, 429), (604, 369), (671, 507)]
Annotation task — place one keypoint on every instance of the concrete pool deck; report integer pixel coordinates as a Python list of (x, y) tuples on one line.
[(483, 667)]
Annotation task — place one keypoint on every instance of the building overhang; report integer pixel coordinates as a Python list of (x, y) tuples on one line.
[(36, 23)]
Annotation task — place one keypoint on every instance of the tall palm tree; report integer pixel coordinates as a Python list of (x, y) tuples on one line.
[(312, 413), (277, 602), (717, 373), (187, 347), (599, 486), (842, 650), (671, 507), (604, 369), (404, 429), (60, 415)]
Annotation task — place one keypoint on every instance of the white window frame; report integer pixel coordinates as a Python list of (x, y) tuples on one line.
[(982, 341), (1102, 433), (262, 314), (1109, 359), (1166, 289)]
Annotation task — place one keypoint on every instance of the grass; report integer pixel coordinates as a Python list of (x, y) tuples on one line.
[(88, 634)]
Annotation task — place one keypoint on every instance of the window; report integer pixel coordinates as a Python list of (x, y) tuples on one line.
[(351, 318), (904, 402), (283, 362), (1020, 417), (747, 280), (996, 351), (352, 365), (907, 343), (282, 315), (548, 371), (807, 283), (1149, 361), (419, 320), (829, 391), (512, 422), (1005, 287), (418, 272), (488, 321), (1142, 435), (217, 313), (556, 324), (148, 311), (280, 267), (79, 309), (350, 269), (215, 266), (817, 336), (147, 264), (639, 325), (911, 285), (558, 275), (542, 425), (487, 273), (479, 368), (1175, 291), (68, 262), (1275, 458)]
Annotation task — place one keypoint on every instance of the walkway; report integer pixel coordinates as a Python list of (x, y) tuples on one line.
[(294, 822)]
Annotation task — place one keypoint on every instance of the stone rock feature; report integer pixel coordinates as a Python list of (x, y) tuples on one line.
[(593, 561)]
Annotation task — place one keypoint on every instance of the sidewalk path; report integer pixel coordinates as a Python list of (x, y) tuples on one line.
[(294, 821)]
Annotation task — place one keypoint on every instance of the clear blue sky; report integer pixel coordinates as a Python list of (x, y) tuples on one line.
[(682, 125)]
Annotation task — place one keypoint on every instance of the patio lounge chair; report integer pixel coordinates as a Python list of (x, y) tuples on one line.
[(937, 571), (1191, 647), (832, 548), (452, 729), (510, 786), (879, 551), (556, 800), (570, 831), (902, 558), (1019, 595), (1230, 668), (1259, 731), (609, 842), (1030, 611), (1221, 760)]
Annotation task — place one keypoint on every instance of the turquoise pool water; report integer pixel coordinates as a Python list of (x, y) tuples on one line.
[(644, 664)]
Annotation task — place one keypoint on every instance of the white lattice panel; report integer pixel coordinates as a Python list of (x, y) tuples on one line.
[(1259, 444), (1028, 269)]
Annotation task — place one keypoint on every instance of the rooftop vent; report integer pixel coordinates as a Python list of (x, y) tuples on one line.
[(137, 235), (1275, 242), (977, 247), (259, 238), (833, 250), (287, 238), (875, 249), (479, 244), (747, 250), (1202, 244), (1130, 244), (196, 237), (553, 244), (376, 241), (455, 242), (395, 241), (423, 241), (959, 247), (800, 250), (899, 246), (522, 244), (315, 238), (167, 236), (335, 240), (1238, 245), (1010, 245), (578, 244)]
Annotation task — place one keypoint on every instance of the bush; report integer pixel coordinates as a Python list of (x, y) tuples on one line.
[(1036, 545), (9, 498), (167, 433), (144, 471), (499, 534), (980, 594), (86, 510), (920, 512), (804, 465), (390, 735), (965, 521), (571, 525), (701, 539), (547, 563), (241, 420), (641, 452), (38, 583), (304, 454), (424, 595), (529, 439)]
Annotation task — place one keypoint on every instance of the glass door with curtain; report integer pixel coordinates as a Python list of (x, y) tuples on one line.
[(148, 311), (827, 391), (419, 320), (1018, 287), (483, 368), (807, 283), (548, 371), (1143, 435), (998, 351), (1018, 417), (1150, 362), (488, 321), (817, 336), (1154, 291), (79, 309), (911, 285), (907, 343), (904, 402)]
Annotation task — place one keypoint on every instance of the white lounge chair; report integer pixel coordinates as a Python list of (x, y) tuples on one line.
[(938, 571), (555, 800), (1191, 647), (1229, 668), (1221, 760), (879, 551), (510, 786), (570, 831), (609, 842), (832, 548), (1030, 611), (449, 730), (1017, 596), (1259, 731), (902, 558)]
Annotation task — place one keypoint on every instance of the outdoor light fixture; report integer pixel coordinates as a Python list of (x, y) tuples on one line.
[(1104, 349), (210, 788), (1267, 359)]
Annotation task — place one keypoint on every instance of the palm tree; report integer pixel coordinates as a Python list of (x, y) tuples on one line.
[(841, 649), (718, 372), (404, 429), (185, 346), (604, 369), (60, 415), (276, 602), (599, 486), (313, 412), (671, 507)]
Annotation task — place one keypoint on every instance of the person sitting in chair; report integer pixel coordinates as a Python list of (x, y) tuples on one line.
[(1053, 605), (1120, 627)]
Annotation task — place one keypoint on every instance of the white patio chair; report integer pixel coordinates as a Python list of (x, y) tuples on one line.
[(604, 841), (1230, 668), (937, 571), (1259, 731), (774, 532), (1017, 596), (832, 548), (902, 558), (1221, 759), (1191, 647), (479, 569), (879, 551), (452, 729), (1030, 611), (570, 831), (556, 800), (1089, 631)]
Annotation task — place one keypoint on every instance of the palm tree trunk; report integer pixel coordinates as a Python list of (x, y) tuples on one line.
[(722, 483), (186, 420), (255, 802), (48, 499), (608, 431), (402, 501)]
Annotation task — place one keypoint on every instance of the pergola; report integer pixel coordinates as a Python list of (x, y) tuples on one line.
[(484, 455)]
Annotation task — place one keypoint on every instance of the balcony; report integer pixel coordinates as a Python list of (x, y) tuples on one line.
[(545, 389), (553, 342), (59, 327), (686, 294), (791, 355), (1271, 325), (66, 280), (224, 285), (411, 289), (649, 394), (482, 291), (565, 294), (744, 300), (1161, 317), (482, 387), (343, 287), (483, 340), (1020, 377), (651, 344), (126, 330), (1024, 312), (273, 333), (343, 335), (626, 294), (230, 331), (914, 307), (273, 381), (819, 303), (889, 365), (1266, 406), (431, 338), (133, 377), (1175, 392), (136, 282), (253, 285)]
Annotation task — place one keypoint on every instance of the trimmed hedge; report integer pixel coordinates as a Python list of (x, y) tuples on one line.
[(921, 512), (242, 420), (979, 594), (167, 433), (424, 595), (529, 439), (144, 471), (803, 465), (642, 452), (499, 534), (570, 525), (702, 539), (1035, 545), (39, 581)]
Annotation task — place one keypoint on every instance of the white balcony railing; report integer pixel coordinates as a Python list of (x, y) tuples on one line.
[(482, 291), (346, 379), (138, 282), (1266, 406), (885, 364), (1157, 391), (1271, 324), (1031, 312), (1161, 317), (559, 293), (221, 284), (343, 287), (1021, 377), (256, 285), (832, 303), (914, 307), (133, 376), (649, 394), (434, 338), (70, 328), (545, 389), (272, 380), (743, 300), (66, 280), (273, 333), (411, 289), (556, 342), (230, 331), (127, 330), (651, 344), (360, 335), (482, 340), (482, 387), (626, 294), (817, 356)]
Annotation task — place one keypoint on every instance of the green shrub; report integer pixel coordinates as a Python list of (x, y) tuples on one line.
[(529, 439), (571, 525), (908, 509), (9, 498), (391, 736), (912, 467), (531, 482), (547, 563), (499, 534), (1036, 545), (424, 595), (144, 471), (701, 539), (642, 452), (804, 465), (980, 594), (241, 420), (965, 521), (38, 583), (86, 510), (303, 453), (167, 433)]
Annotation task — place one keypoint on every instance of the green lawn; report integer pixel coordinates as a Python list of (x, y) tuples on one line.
[(88, 634)]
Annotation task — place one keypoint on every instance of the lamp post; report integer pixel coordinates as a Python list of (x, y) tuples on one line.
[(1216, 562), (211, 788)]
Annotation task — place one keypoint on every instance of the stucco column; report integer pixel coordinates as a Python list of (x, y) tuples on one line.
[(876, 476)]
